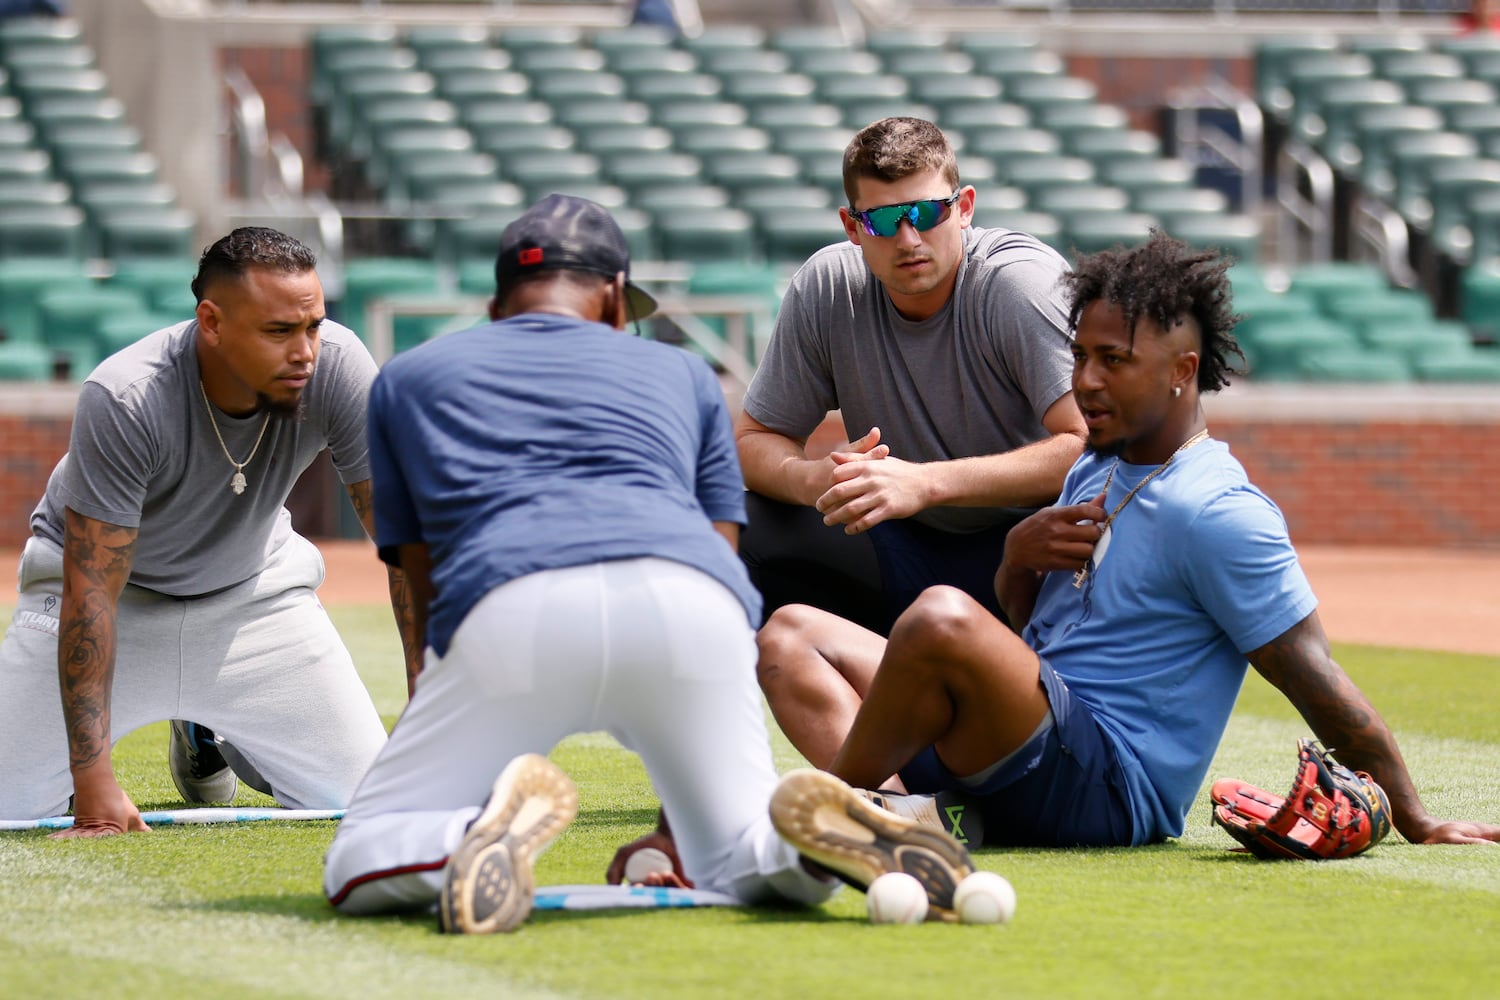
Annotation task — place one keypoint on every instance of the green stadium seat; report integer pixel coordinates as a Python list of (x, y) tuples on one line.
[(25, 362), (505, 141), (887, 42), (420, 177), (1264, 309), (1275, 350), (100, 200), (1416, 340), (17, 133), (393, 149), (89, 167), (1357, 364), (19, 33), (28, 193), (611, 196), (537, 173), (951, 94), (24, 166), (1320, 283), (809, 40), (717, 38), (506, 111), (1169, 205), (789, 238), (1235, 235), (429, 39), (928, 63), (659, 88), (1044, 227), (1307, 75), (346, 109), (847, 63), (140, 233), (1413, 159), (443, 61), (712, 140), (369, 278), (790, 200), (841, 91), (76, 138), (974, 120), (1070, 118), (1476, 366), (1447, 95), (735, 61), (1003, 145), (1010, 65), (1362, 310), (1451, 189), (615, 141), (638, 171), (466, 88), (46, 82), (650, 39), (753, 89), (1379, 46), (1482, 217), (1036, 93), (1330, 126), (43, 231), (981, 43), (861, 113), (23, 280), (681, 199), (1479, 296), (1112, 145), (380, 117), (977, 170), (55, 112), (1092, 232), (329, 41), (996, 204), (1031, 173), (629, 64), (476, 237), (115, 333), (736, 172), (557, 59), (1272, 57), (1070, 201), (70, 320), (1411, 67), (684, 117), (528, 37), (795, 114), (595, 113)]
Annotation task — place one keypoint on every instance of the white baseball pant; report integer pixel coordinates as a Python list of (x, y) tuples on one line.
[(656, 653), (259, 663)]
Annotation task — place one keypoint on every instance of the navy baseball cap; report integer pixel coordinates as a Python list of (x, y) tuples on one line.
[(562, 232)]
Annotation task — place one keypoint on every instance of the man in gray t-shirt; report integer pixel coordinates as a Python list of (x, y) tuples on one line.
[(163, 579), (947, 351)]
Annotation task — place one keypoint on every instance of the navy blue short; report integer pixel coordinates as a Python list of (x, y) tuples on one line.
[(1063, 788)]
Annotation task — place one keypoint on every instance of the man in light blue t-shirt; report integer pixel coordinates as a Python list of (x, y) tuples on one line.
[(1140, 598)]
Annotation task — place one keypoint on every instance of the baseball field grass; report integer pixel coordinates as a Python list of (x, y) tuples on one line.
[(237, 911)]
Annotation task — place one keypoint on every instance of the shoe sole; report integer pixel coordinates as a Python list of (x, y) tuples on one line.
[(219, 786), (830, 824), (489, 885)]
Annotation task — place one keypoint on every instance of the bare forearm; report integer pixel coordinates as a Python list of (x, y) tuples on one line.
[(778, 467), (411, 621), (1016, 590), (1299, 664), (1026, 477)]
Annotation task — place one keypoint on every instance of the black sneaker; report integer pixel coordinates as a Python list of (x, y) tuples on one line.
[(832, 825), (489, 884), (199, 770), (946, 811)]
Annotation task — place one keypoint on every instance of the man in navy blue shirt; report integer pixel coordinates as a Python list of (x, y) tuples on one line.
[(566, 502)]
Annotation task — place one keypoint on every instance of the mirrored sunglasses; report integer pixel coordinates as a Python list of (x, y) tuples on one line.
[(923, 215)]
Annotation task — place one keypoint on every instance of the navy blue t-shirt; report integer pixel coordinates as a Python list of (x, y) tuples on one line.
[(542, 441)]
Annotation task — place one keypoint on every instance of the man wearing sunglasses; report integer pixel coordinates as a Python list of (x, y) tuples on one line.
[(946, 349)]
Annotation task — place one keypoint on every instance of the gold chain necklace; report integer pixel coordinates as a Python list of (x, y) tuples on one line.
[(238, 482), (1083, 574)]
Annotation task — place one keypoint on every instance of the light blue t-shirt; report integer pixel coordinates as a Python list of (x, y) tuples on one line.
[(541, 442), (1198, 572)]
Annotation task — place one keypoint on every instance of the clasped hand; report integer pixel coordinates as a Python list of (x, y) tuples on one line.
[(867, 486)]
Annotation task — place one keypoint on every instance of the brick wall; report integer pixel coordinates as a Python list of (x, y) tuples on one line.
[(1141, 85), (1430, 482), (281, 75)]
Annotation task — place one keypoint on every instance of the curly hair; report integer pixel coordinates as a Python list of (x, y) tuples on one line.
[(251, 246), (893, 149), (1165, 280)]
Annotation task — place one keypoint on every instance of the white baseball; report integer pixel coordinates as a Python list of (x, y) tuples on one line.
[(896, 898), (985, 898), (644, 862)]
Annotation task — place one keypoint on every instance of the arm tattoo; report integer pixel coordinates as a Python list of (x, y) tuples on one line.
[(361, 494), (1299, 664), (96, 563)]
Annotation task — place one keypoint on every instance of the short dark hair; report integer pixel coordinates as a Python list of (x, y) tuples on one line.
[(251, 246), (1165, 280), (894, 149)]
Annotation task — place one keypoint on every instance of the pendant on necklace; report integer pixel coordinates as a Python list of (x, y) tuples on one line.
[(238, 483), (1080, 576)]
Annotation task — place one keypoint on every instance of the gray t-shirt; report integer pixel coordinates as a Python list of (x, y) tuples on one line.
[(975, 379), (143, 455)]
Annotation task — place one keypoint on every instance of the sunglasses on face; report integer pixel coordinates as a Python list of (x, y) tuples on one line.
[(923, 215)]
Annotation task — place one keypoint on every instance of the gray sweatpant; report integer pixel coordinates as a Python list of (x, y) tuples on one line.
[(259, 663)]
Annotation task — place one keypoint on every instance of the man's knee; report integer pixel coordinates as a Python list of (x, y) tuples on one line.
[(785, 644), (941, 621)]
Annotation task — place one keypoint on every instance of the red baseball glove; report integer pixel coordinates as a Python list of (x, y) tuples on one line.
[(1331, 811)]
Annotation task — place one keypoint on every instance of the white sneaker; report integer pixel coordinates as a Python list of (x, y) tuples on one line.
[(489, 884), (833, 825), (946, 811)]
